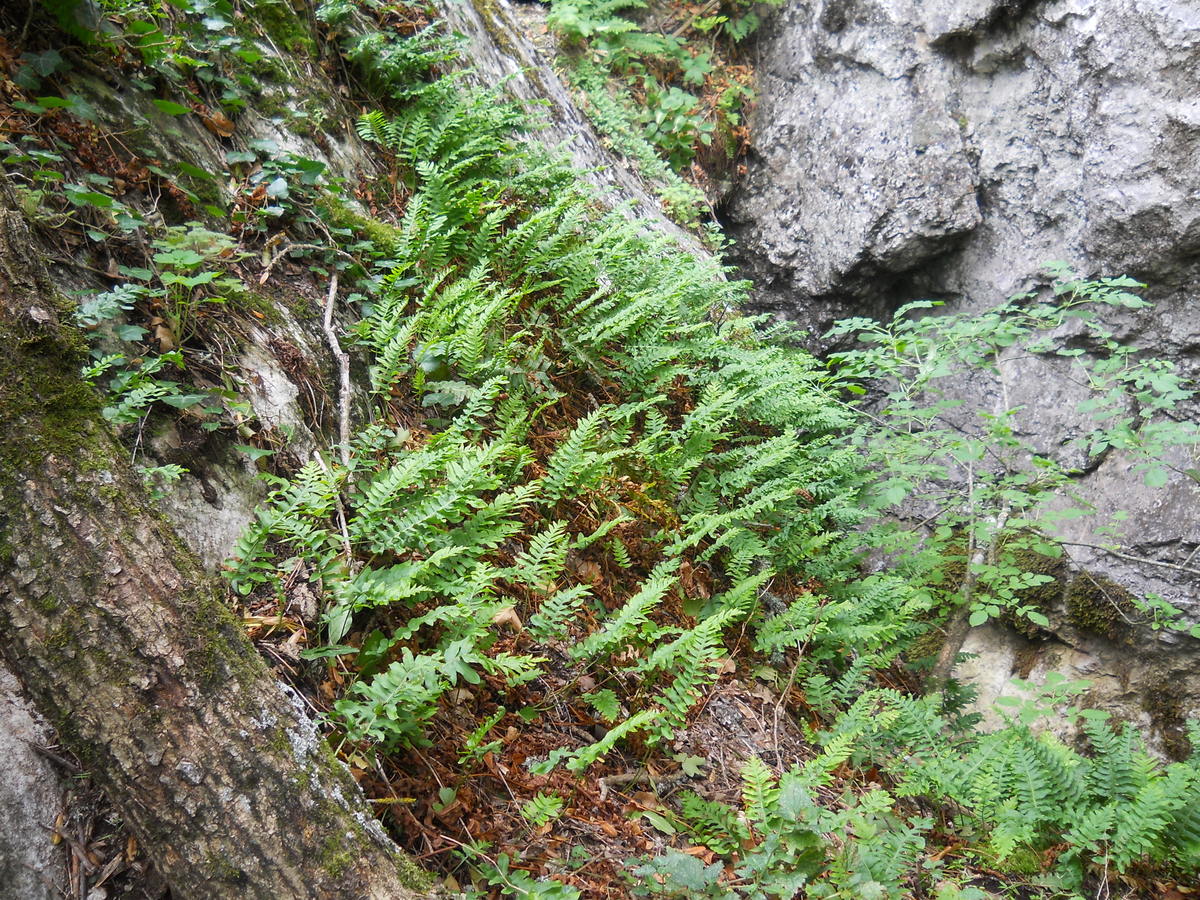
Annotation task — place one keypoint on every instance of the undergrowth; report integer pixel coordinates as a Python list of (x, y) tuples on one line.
[(664, 87), (588, 488), (569, 415)]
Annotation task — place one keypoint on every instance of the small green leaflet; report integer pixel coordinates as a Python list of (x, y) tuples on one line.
[(171, 108)]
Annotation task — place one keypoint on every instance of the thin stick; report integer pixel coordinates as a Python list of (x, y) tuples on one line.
[(708, 7), (342, 358), (262, 279), (1133, 558)]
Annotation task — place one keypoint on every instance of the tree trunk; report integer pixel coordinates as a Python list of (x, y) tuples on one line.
[(125, 645)]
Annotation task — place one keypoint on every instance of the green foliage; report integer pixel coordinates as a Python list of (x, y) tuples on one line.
[(1114, 806), (158, 479), (542, 809), (504, 278), (639, 84), (514, 882), (990, 495), (783, 838), (184, 281), (475, 748), (554, 392)]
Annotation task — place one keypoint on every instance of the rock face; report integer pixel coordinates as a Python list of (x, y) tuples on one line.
[(948, 150), (986, 138), (31, 798)]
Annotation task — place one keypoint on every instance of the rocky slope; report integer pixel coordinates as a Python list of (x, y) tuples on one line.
[(282, 366)]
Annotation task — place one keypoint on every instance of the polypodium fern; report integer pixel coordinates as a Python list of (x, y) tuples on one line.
[(625, 625)]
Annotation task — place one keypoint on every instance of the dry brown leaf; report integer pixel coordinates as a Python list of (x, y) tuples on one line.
[(163, 334), (508, 618), (218, 123), (589, 571)]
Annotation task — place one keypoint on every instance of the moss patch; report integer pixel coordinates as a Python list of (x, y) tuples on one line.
[(286, 27), (45, 407), (1101, 606)]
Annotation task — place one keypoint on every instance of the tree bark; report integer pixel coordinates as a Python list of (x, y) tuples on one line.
[(126, 646)]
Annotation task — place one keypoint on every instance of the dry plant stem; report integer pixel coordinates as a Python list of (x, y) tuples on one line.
[(690, 21), (1134, 558), (960, 627), (262, 279), (342, 358)]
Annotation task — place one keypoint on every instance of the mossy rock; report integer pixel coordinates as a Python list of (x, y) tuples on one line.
[(1045, 598), (287, 27), (1101, 606)]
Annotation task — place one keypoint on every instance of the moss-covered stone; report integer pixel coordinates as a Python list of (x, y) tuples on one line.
[(287, 28), (340, 215), (44, 405), (1101, 606), (336, 857), (1045, 598)]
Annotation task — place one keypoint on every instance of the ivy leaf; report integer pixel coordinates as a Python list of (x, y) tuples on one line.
[(278, 189), (1156, 477), (978, 617), (46, 63), (171, 108), (183, 401)]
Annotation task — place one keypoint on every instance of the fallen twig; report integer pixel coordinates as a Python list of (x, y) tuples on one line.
[(1133, 557), (342, 358)]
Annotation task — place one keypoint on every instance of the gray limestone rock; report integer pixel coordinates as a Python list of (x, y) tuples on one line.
[(31, 798), (1044, 131)]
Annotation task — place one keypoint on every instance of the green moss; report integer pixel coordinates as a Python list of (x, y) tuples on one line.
[(45, 407), (1044, 598), (60, 638), (287, 28), (46, 604), (411, 875), (490, 15), (340, 215), (336, 857), (1101, 606), (221, 871), (280, 744), (1023, 861)]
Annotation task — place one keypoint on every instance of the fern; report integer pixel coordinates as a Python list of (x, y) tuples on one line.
[(552, 620), (623, 627), (542, 563)]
